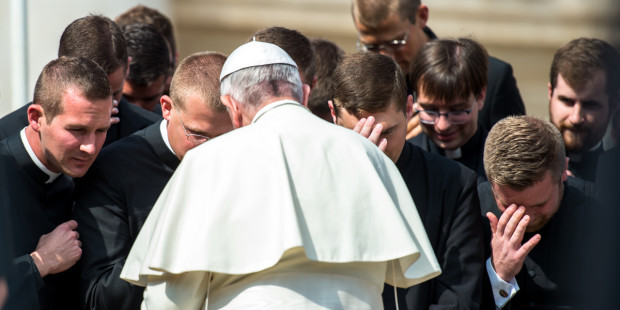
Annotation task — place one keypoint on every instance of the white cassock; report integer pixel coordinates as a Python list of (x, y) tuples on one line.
[(290, 212)]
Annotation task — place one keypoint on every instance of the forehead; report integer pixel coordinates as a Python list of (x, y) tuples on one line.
[(537, 194), (389, 29), (595, 86), (79, 109), (424, 99)]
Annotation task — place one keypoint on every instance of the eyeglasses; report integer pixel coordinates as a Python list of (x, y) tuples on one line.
[(454, 117), (191, 137), (391, 46)]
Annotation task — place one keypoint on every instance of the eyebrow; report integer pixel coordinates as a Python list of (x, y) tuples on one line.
[(389, 129)]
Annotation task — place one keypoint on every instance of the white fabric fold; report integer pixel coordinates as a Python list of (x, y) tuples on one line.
[(237, 203)]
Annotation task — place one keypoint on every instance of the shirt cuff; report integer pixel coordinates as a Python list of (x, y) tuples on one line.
[(502, 291)]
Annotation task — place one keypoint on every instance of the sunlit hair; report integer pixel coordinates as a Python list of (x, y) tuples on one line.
[(254, 85), (368, 82), (97, 38), (449, 69), (578, 60), (65, 73), (519, 150), (199, 74), (372, 13)]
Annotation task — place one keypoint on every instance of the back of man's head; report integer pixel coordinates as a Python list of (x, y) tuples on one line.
[(198, 74), (448, 70), (519, 151), (257, 72), (97, 38), (59, 75), (327, 55), (147, 15), (578, 60), (294, 43), (150, 54), (372, 13), (368, 82)]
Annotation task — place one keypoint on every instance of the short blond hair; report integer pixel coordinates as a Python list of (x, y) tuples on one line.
[(198, 74), (519, 150)]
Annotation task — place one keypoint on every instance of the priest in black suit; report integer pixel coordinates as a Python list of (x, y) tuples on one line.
[(112, 203), (449, 80), (67, 127), (583, 94), (99, 39), (546, 246), (398, 28), (370, 97)]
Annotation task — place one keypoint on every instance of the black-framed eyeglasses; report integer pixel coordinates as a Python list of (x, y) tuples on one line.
[(454, 117), (192, 137), (391, 46)]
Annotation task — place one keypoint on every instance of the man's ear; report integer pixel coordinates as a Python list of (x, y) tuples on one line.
[(422, 16), (332, 110), (480, 98), (549, 91), (306, 94), (233, 110), (409, 107), (166, 107), (35, 116)]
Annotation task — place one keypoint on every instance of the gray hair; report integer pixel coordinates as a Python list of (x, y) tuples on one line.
[(252, 86)]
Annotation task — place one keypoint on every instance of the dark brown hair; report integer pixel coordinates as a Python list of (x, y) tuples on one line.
[(448, 70), (368, 82), (97, 38)]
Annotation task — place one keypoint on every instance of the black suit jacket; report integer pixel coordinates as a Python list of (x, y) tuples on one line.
[(472, 152), (502, 97), (112, 202), (445, 194), (132, 119), (585, 168), (35, 209), (564, 271)]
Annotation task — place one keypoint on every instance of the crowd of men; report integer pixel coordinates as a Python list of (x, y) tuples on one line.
[(291, 175)]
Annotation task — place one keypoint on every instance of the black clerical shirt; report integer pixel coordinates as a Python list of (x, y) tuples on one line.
[(445, 194), (35, 209), (471, 153), (112, 202)]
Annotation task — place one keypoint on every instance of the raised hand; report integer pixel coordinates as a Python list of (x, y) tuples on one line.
[(508, 254), (365, 128)]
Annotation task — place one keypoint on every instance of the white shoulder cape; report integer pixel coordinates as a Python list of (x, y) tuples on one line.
[(238, 202)]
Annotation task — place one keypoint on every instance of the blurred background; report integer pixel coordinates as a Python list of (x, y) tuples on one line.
[(524, 33)]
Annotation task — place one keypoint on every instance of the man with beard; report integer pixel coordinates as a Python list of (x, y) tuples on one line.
[(583, 91)]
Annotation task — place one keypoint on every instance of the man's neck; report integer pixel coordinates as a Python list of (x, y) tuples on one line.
[(31, 142)]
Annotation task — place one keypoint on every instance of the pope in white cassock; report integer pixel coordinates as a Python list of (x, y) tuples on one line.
[(287, 212)]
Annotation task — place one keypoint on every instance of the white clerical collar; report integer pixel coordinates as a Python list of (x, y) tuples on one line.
[(272, 106), (163, 128), (52, 175), (453, 154)]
